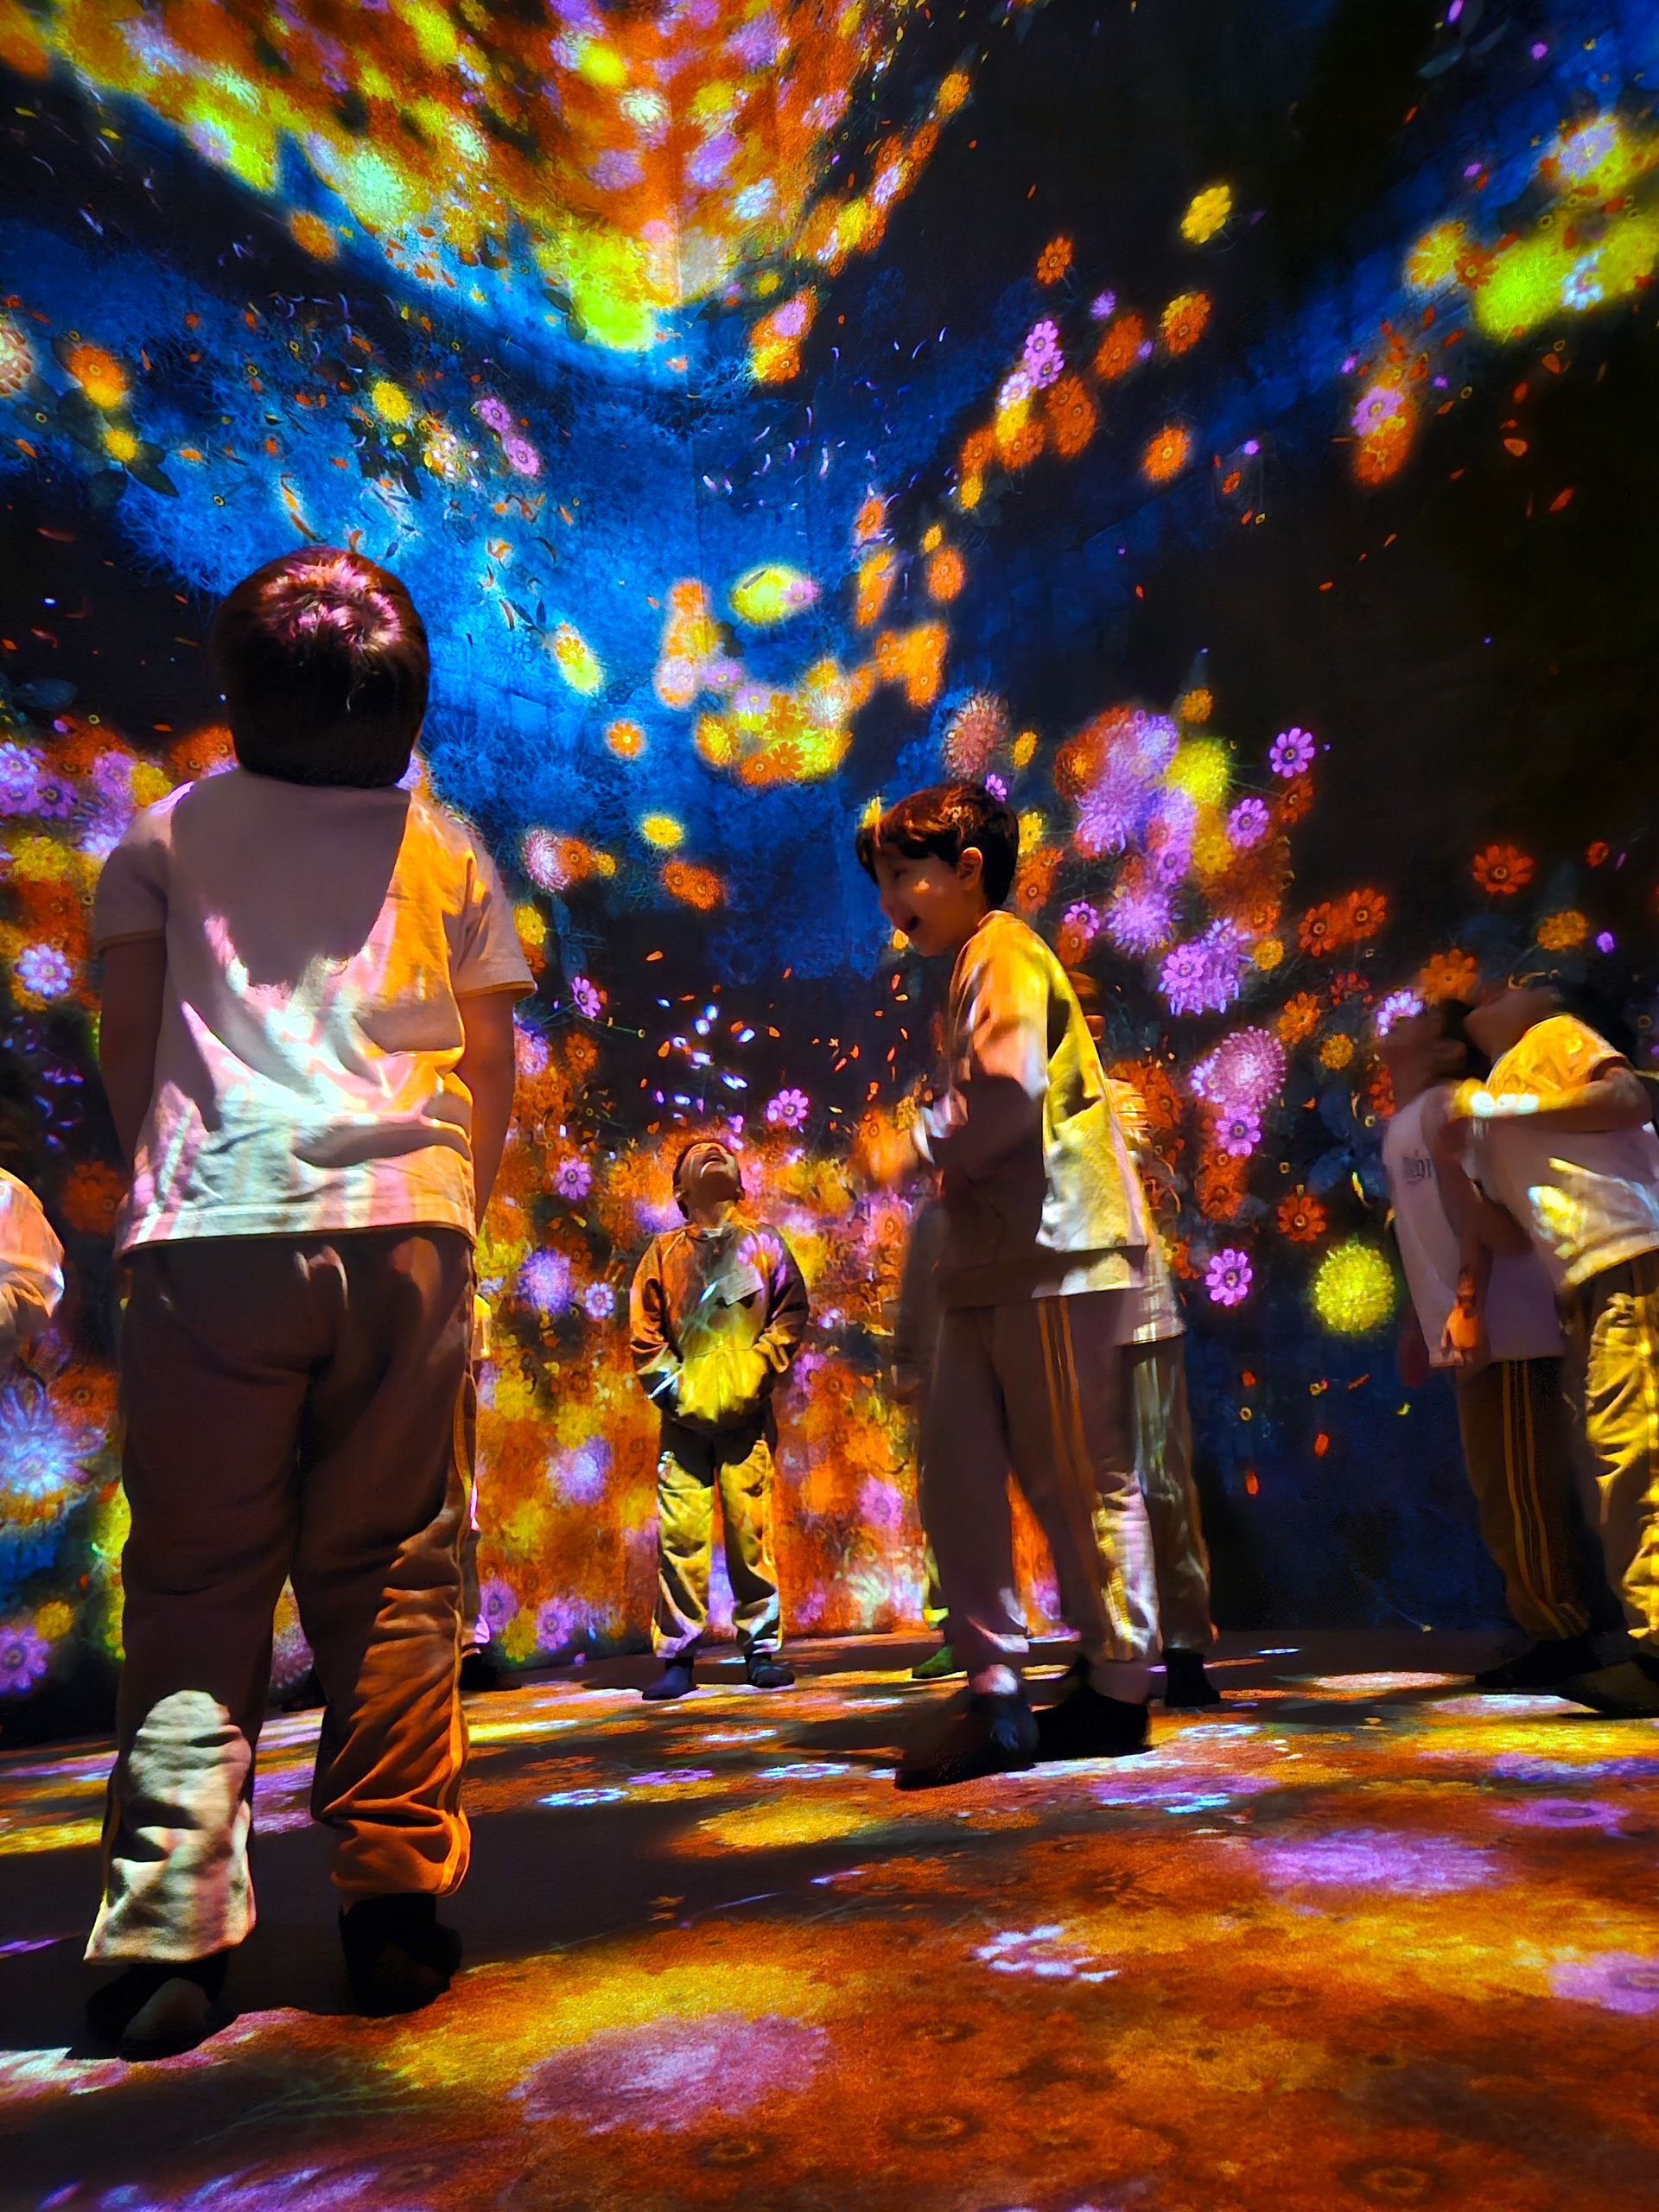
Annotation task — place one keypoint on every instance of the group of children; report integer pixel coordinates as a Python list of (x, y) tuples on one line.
[(309, 979)]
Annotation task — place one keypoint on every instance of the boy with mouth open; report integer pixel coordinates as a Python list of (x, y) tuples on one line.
[(1044, 1238)]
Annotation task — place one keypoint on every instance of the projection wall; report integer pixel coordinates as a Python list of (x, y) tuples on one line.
[(1231, 429)]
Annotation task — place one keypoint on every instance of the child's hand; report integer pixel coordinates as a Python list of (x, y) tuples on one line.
[(1463, 1347)]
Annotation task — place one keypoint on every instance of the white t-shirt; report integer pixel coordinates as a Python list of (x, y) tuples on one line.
[(1155, 1307), (319, 941), (1520, 1318), (1588, 1201)]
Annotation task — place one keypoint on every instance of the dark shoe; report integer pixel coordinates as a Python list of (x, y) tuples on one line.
[(305, 1696), (1186, 1686), (675, 1679), (936, 1666), (159, 2008), (1628, 1691), (1084, 1725), (1541, 1666), (397, 1955), (479, 1672), (766, 1671), (991, 1735)]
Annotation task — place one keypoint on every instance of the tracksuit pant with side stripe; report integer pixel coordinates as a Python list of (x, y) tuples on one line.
[(1613, 1330), (1040, 1389), (1518, 1448)]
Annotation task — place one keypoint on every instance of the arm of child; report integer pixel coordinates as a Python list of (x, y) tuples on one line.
[(790, 1311), (1411, 1354), (1614, 1100), (129, 1027), (655, 1362), (996, 1104), (1476, 1218), (486, 1066)]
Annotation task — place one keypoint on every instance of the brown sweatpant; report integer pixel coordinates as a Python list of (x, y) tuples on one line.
[(1517, 1447), (293, 1406), (1040, 1390)]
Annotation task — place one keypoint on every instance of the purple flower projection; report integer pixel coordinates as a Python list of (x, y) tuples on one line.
[(1229, 1276), (1620, 1982), (1397, 1863), (1292, 753), (544, 1282)]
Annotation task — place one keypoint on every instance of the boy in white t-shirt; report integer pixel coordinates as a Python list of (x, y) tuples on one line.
[(1563, 1142), (307, 1041), (1513, 1418)]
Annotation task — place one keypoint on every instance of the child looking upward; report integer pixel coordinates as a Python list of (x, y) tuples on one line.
[(1045, 1237), (307, 1041), (718, 1312)]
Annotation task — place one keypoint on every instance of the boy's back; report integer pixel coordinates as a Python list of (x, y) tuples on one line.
[(318, 941)]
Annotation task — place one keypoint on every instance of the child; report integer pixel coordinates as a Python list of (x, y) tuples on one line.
[(308, 981), (1045, 1233), (1562, 1141), (31, 1268), (718, 1312), (1517, 1442)]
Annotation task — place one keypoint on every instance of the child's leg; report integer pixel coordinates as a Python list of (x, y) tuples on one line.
[(1621, 1417), (1061, 1364), (685, 1525), (215, 1359), (378, 1569), (1163, 1463), (1517, 1451), (964, 1481), (745, 1484)]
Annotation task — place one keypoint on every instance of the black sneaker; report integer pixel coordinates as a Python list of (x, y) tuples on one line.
[(1186, 1686), (479, 1671), (1628, 1691), (304, 1696), (992, 1734), (766, 1671), (1084, 1725), (1541, 1666), (398, 1957), (158, 2008), (675, 1679)]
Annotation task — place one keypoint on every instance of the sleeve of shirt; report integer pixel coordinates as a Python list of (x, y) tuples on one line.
[(654, 1359), (31, 1258), (489, 957), (131, 898), (1000, 1005), (1558, 1056)]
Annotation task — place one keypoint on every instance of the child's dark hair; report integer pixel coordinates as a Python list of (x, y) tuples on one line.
[(943, 823), (1453, 1016), (323, 662)]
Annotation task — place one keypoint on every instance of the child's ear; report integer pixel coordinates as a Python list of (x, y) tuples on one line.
[(970, 868)]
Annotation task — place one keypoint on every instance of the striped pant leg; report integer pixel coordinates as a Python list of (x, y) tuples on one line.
[(1517, 1448), (1062, 1367), (1617, 1330)]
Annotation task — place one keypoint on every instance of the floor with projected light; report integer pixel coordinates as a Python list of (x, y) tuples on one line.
[(1361, 1938)]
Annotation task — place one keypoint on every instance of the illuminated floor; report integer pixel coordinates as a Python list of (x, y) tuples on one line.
[(1364, 1939)]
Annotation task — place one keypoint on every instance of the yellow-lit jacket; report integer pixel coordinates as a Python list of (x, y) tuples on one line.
[(1040, 1193), (716, 1317)]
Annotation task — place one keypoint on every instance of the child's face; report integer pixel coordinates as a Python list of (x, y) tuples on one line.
[(1416, 1054), (1504, 1021), (710, 1184), (935, 905)]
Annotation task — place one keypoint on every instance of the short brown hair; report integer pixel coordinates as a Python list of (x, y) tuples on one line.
[(943, 821), (323, 662)]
